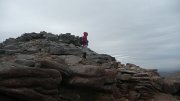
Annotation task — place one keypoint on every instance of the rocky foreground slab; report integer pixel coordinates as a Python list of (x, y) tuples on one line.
[(47, 67)]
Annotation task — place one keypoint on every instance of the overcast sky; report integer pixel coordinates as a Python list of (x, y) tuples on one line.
[(143, 32)]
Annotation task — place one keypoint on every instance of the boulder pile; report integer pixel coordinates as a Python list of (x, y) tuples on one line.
[(47, 67)]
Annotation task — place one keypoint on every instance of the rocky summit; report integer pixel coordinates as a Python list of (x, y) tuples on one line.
[(48, 67)]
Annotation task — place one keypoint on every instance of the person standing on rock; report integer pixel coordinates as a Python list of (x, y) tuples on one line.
[(84, 44)]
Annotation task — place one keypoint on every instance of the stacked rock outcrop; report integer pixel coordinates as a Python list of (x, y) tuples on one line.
[(47, 67)]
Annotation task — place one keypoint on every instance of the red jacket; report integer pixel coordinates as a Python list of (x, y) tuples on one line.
[(84, 39)]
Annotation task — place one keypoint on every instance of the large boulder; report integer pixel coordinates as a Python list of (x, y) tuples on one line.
[(9, 41), (92, 77), (30, 36), (62, 68), (56, 50), (24, 83), (47, 67), (70, 39)]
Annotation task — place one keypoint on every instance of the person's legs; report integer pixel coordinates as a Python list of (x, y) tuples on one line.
[(84, 55), (84, 52)]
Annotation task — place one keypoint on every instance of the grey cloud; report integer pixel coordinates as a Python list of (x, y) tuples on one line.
[(145, 32)]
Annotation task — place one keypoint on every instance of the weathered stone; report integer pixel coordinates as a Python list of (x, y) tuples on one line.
[(124, 77), (96, 83), (30, 63), (73, 51), (1, 45), (30, 36), (163, 97), (10, 41), (62, 68), (47, 83), (25, 94), (140, 78), (134, 96), (130, 65), (110, 65), (56, 50), (50, 36), (10, 70), (70, 39), (2, 51), (87, 71), (21, 82), (104, 57), (151, 70), (4, 97), (25, 56), (126, 71), (11, 52), (170, 88), (47, 67), (141, 75), (11, 47), (70, 59)]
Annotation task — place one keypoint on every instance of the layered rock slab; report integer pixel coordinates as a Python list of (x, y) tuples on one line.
[(28, 83)]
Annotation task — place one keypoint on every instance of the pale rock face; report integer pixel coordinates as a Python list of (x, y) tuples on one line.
[(71, 59)]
